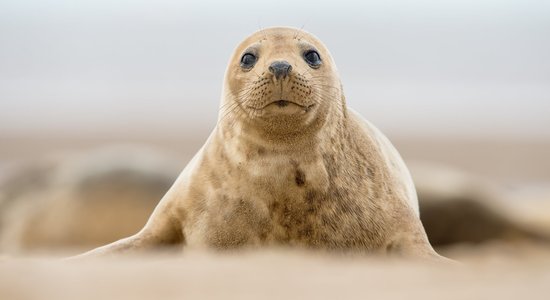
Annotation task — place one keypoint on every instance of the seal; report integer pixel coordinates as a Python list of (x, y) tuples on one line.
[(80, 200), (288, 164), (458, 207)]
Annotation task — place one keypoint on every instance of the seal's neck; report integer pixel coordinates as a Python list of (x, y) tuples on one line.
[(240, 132)]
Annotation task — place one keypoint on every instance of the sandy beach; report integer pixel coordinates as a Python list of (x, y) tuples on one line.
[(274, 275)]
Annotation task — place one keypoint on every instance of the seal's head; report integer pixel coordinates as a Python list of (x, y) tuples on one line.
[(282, 80)]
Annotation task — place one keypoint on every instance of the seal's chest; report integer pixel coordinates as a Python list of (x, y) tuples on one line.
[(312, 219), (293, 204), (285, 201), (263, 220), (286, 174)]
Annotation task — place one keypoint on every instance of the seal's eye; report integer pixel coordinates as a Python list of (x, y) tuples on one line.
[(248, 61), (312, 58)]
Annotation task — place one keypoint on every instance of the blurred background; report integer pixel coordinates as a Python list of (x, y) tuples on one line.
[(102, 104)]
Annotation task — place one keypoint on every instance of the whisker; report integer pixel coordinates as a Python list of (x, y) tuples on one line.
[(328, 97), (228, 112), (325, 86), (300, 30)]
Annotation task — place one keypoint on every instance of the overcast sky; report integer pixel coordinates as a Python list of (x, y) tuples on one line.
[(471, 68)]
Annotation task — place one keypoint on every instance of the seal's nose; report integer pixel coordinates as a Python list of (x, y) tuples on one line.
[(280, 69)]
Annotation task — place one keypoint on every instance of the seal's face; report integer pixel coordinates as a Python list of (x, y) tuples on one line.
[(283, 77)]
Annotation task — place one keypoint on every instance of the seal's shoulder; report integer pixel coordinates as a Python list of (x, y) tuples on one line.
[(369, 129), (391, 157)]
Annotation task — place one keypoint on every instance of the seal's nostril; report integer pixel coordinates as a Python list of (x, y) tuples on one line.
[(280, 69)]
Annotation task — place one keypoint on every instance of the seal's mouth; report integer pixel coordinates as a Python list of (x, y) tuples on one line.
[(281, 103), (282, 107), (284, 103)]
